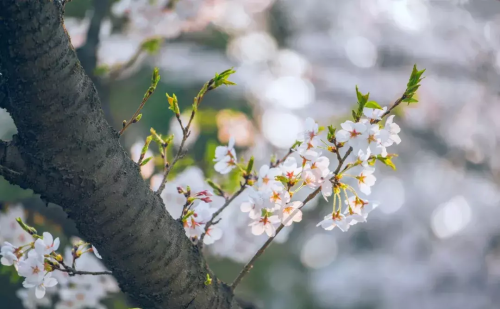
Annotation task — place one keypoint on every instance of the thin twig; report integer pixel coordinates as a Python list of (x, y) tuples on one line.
[(143, 102), (180, 152), (72, 271), (278, 162), (117, 70), (185, 135), (396, 104)]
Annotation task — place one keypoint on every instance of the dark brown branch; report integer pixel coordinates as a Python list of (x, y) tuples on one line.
[(73, 272), (72, 157)]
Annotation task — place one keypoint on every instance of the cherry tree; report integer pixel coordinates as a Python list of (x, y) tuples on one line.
[(67, 152)]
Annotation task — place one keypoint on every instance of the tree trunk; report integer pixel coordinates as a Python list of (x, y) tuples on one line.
[(66, 152)]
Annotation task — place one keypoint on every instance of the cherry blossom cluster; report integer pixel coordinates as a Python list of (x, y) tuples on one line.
[(270, 199), (44, 271)]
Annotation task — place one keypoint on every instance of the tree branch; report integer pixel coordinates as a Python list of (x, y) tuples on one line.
[(73, 158), (88, 53)]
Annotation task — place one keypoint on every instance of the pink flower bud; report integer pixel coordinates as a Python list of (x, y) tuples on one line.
[(206, 199), (204, 192)]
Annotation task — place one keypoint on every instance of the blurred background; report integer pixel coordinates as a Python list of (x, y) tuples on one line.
[(435, 240)]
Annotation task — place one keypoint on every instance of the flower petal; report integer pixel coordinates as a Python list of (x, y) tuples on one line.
[(39, 291)]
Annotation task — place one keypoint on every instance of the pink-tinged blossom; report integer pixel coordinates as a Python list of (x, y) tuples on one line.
[(225, 156), (265, 224), (316, 178), (267, 177)]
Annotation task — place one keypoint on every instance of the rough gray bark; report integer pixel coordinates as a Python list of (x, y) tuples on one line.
[(66, 152)]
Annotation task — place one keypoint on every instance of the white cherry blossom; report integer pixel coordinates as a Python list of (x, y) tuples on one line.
[(265, 224), (290, 169), (370, 141), (389, 134), (333, 220), (7, 252), (366, 180), (194, 225), (47, 245), (359, 209), (351, 133), (40, 286), (374, 113), (213, 233), (225, 156), (257, 200), (316, 178), (224, 151), (225, 165), (32, 267), (290, 213), (267, 177), (309, 137)]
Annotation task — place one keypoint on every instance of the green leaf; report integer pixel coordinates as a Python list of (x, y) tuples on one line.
[(217, 189), (250, 165), (155, 78), (27, 228), (173, 103), (282, 179), (101, 70), (156, 137), (146, 145), (296, 144), (362, 99), (410, 100), (209, 280), (221, 79), (152, 46), (387, 161), (373, 104), (146, 161), (137, 119), (331, 133)]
